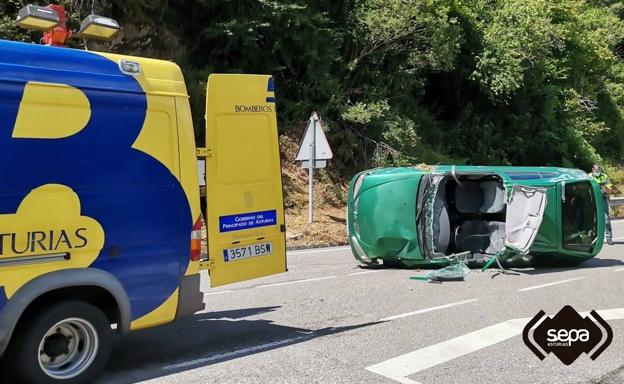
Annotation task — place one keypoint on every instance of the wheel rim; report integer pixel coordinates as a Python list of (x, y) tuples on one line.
[(68, 348)]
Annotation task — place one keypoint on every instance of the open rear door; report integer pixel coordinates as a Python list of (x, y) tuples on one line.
[(524, 217), (245, 213)]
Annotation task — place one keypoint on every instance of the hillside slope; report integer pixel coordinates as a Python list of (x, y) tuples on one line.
[(329, 224)]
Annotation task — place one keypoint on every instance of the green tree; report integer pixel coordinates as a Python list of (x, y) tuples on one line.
[(475, 81)]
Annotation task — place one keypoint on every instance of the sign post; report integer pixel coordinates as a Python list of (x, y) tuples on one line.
[(311, 170), (314, 152)]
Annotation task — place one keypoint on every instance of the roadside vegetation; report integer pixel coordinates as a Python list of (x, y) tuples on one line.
[(515, 82)]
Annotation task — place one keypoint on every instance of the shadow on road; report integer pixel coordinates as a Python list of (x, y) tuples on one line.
[(235, 314), (542, 267), (589, 264), (203, 340), (599, 263)]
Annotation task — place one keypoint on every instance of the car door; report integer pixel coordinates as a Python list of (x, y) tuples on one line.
[(245, 211)]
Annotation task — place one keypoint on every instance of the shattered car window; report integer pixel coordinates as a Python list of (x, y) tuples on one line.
[(429, 211)]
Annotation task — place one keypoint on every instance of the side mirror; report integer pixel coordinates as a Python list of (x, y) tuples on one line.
[(37, 17), (99, 28)]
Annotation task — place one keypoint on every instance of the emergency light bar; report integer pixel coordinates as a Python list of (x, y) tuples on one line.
[(37, 17), (99, 28)]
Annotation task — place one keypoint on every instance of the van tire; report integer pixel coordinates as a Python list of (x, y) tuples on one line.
[(51, 330)]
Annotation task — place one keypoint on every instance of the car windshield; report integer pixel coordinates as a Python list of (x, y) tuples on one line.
[(579, 217), (424, 212)]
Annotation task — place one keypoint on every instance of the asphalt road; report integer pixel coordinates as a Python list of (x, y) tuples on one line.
[(327, 321)]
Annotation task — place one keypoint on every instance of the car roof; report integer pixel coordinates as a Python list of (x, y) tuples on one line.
[(22, 62)]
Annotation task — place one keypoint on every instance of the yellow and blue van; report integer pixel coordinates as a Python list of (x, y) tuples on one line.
[(100, 214)]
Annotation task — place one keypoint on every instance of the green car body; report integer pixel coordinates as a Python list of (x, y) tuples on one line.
[(419, 217)]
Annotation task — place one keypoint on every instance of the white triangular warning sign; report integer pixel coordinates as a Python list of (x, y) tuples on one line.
[(314, 143)]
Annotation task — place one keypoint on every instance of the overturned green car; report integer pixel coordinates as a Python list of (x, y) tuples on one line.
[(429, 216)]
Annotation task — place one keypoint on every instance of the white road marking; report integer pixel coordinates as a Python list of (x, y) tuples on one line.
[(318, 250), (400, 367), (550, 284), (608, 314), (228, 319), (428, 310), (296, 281), (618, 270), (290, 282), (235, 353), (365, 272)]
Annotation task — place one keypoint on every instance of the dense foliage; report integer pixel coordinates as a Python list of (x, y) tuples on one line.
[(523, 82)]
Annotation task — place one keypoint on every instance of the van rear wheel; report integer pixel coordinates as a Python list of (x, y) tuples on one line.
[(67, 342)]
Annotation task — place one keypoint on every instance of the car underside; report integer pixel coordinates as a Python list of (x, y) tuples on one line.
[(476, 216)]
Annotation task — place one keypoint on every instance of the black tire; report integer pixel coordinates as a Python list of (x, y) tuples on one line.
[(24, 353)]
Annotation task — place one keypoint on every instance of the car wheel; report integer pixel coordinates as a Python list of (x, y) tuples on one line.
[(67, 342)]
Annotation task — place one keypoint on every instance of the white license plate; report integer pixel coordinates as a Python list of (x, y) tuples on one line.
[(253, 250)]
